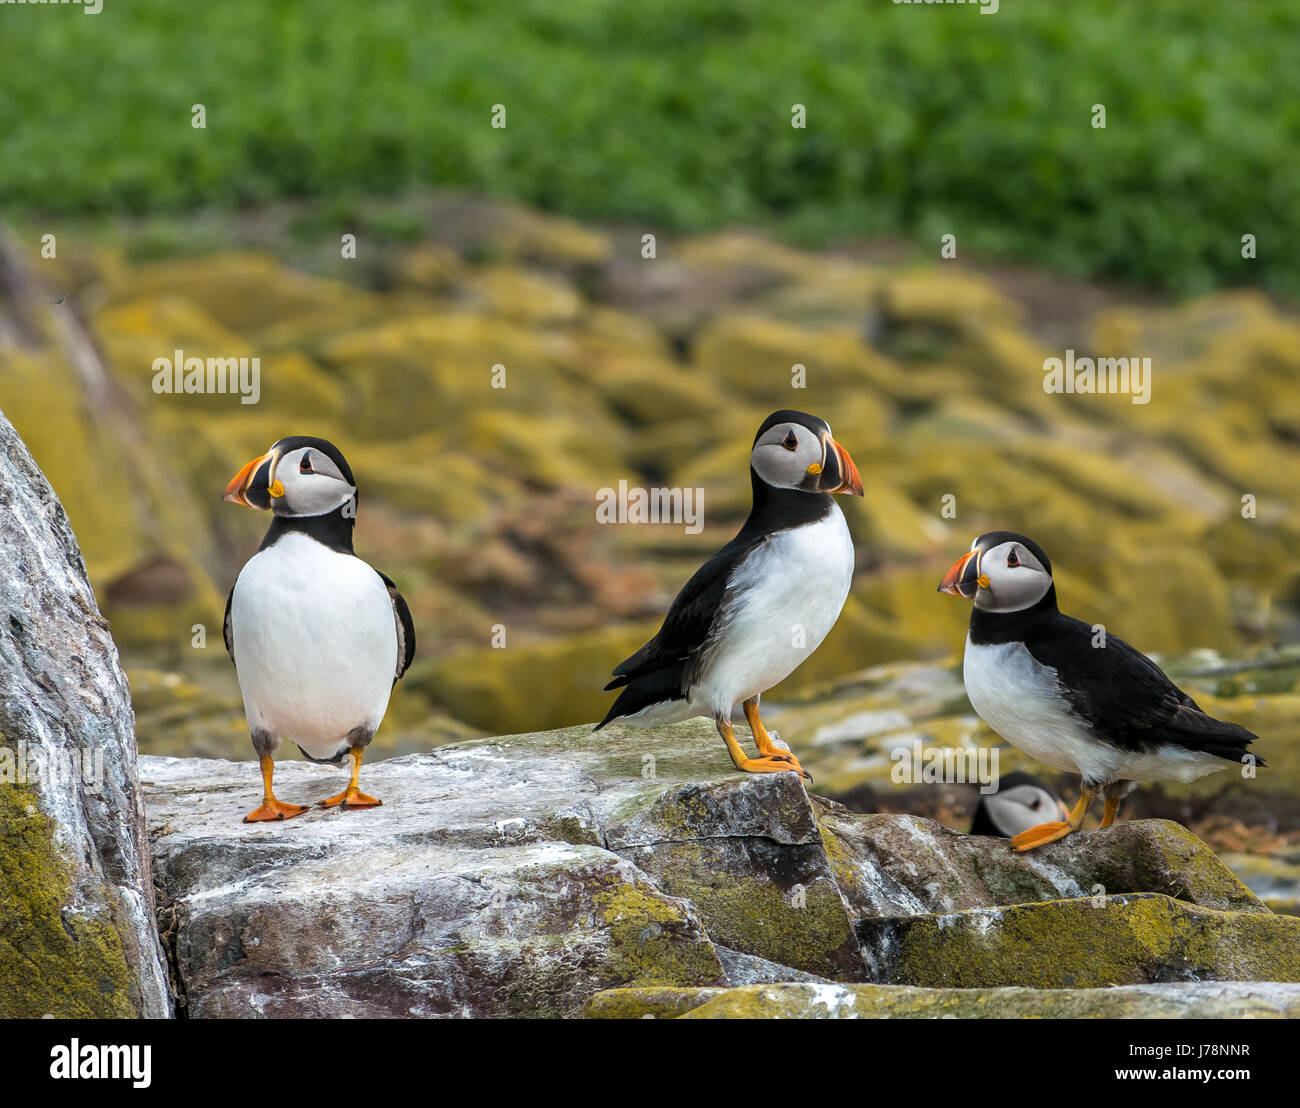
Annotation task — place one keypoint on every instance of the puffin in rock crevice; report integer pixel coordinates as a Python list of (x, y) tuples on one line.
[(1075, 700), (1022, 801), (318, 637), (762, 604)]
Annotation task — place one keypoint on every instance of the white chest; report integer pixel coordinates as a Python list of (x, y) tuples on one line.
[(1019, 699), (783, 601), (315, 643)]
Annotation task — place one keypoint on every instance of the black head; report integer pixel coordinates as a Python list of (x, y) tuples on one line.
[(1002, 572), (299, 476), (795, 450), (1022, 801)]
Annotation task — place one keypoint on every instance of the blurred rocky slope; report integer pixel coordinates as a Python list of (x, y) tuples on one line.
[(480, 501)]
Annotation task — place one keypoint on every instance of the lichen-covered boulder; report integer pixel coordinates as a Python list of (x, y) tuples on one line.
[(1083, 943), (753, 863), (521, 875), (906, 865), (1209, 1000), (501, 877), (420, 930), (77, 931)]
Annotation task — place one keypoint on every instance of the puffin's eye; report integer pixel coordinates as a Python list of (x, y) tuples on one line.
[(1012, 559), (791, 441), (304, 466)]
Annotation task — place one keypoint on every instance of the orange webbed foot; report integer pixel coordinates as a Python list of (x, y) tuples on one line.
[(779, 762), (767, 747), (1041, 835), (351, 798), (776, 754), (274, 810)]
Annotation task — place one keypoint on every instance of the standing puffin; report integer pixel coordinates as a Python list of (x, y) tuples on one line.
[(1074, 699), (762, 604), (318, 637)]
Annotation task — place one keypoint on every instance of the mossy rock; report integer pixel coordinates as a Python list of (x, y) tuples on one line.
[(54, 960), (612, 331), (942, 295), (510, 292), (488, 230), (652, 937), (528, 687), (889, 865), (757, 897), (752, 864), (763, 259), (247, 291), (1235, 1000), (1083, 943), (43, 401), (429, 267), (753, 356), (134, 510), (1276, 720), (458, 489), (647, 390), (435, 369), (861, 637)]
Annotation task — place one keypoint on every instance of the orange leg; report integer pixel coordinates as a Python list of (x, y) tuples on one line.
[(749, 765), (352, 797), (764, 741), (1046, 833), (270, 808), (1112, 810)]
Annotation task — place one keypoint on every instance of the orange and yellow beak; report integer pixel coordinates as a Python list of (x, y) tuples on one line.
[(964, 579), (838, 473), (254, 485)]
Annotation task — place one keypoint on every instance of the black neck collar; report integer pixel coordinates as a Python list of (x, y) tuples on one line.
[(334, 529), (779, 509), (998, 627)]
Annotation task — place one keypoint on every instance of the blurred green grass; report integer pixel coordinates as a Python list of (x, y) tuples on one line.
[(922, 120)]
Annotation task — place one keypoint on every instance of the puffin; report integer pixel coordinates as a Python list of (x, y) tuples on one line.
[(1020, 802), (318, 637), (761, 605), (1077, 700)]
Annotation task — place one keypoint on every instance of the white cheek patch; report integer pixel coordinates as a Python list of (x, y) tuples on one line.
[(1010, 588), (315, 494), (783, 468)]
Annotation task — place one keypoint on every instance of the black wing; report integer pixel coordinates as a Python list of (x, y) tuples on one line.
[(1126, 698), (226, 631), (664, 668), (405, 627)]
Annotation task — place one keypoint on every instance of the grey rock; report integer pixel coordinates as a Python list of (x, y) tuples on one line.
[(438, 903), (523, 874), (1133, 939), (906, 865), (747, 969), (76, 890)]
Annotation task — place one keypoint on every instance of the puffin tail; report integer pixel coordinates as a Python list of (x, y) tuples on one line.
[(1223, 740), (642, 691)]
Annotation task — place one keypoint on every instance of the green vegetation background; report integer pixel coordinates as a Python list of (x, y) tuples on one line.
[(922, 119)]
